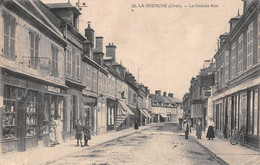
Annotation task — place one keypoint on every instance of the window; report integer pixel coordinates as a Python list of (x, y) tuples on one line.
[(100, 82), (68, 62), (34, 48), (77, 65), (31, 114), (259, 38), (88, 77), (233, 60), (240, 54), (9, 35), (250, 45), (226, 66), (134, 98), (94, 80), (104, 83), (54, 60), (9, 113)]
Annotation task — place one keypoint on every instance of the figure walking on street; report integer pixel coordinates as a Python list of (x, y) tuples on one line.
[(53, 127), (58, 130), (210, 133), (198, 130), (136, 125), (87, 135), (79, 133), (187, 129)]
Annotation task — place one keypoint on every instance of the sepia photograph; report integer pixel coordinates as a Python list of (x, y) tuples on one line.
[(129, 82)]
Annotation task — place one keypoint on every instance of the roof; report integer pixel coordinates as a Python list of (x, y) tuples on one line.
[(63, 6), (59, 5)]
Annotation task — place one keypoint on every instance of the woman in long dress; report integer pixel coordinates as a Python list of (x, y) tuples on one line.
[(198, 130), (53, 127), (210, 133), (87, 135), (58, 130)]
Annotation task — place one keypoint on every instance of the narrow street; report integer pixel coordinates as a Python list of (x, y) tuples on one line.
[(161, 144)]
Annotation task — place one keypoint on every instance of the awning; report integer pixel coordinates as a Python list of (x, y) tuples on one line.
[(164, 115), (147, 113), (125, 107), (143, 112)]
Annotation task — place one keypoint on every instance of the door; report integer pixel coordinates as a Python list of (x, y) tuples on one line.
[(21, 126)]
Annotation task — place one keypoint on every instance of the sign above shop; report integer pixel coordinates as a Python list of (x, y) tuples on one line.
[(44, 66), (53, 89)]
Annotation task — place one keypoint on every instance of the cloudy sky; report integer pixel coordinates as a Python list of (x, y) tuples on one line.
[(168, 46)]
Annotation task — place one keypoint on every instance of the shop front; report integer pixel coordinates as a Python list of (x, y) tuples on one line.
[(89, 107), (111, 114), (27, 106)]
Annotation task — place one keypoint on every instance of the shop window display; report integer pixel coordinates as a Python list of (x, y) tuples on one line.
[(11, 95), (31, 114)]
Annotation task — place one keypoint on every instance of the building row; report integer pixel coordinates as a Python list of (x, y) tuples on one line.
[(232, 95), (50, 70)]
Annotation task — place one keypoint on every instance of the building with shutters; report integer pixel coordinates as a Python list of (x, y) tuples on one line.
[(236, 98), (33, 87)]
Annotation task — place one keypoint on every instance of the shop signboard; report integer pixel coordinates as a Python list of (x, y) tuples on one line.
[(44, 66)]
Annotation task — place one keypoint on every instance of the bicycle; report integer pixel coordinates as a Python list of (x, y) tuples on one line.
[(236, 137)]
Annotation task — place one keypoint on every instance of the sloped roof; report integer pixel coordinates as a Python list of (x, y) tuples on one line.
[(156, 98), (63, 6)]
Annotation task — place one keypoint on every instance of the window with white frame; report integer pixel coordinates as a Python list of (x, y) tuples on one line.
[(250, 45), (233, 60), (226, 66), (240, 54), (69, 62), (9, 35)]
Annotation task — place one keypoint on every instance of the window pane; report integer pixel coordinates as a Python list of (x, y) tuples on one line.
[(13, 25), (6, 45)]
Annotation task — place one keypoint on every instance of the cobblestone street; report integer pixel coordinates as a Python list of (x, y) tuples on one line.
[(161, 144)]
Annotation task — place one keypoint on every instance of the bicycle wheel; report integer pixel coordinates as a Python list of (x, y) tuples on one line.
[(233, 140)]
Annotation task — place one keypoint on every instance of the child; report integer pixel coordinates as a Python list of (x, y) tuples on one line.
[(198, 130), (79, 132), (86, 131)]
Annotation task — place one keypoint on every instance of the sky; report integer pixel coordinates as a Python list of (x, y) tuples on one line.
[(167, 46)]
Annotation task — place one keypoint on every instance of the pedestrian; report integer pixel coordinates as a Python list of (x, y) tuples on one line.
[(52, 132), (58, 130), (186, 126), (78, 135), (210, 133), (87, 135), (136, 125), (198, 130)]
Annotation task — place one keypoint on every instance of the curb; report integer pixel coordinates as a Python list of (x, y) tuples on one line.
[(95, 145), (211, 152)]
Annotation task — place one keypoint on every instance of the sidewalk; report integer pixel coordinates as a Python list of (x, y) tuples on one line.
[(231, 154), (43, 155)]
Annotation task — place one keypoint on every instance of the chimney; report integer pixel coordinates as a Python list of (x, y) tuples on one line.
[(158, 92), (89, 33), (223, 39), (233, 21), (111, 51), (170, 95), (99, 44), (246, 4), (165, 94), (206, 64)]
